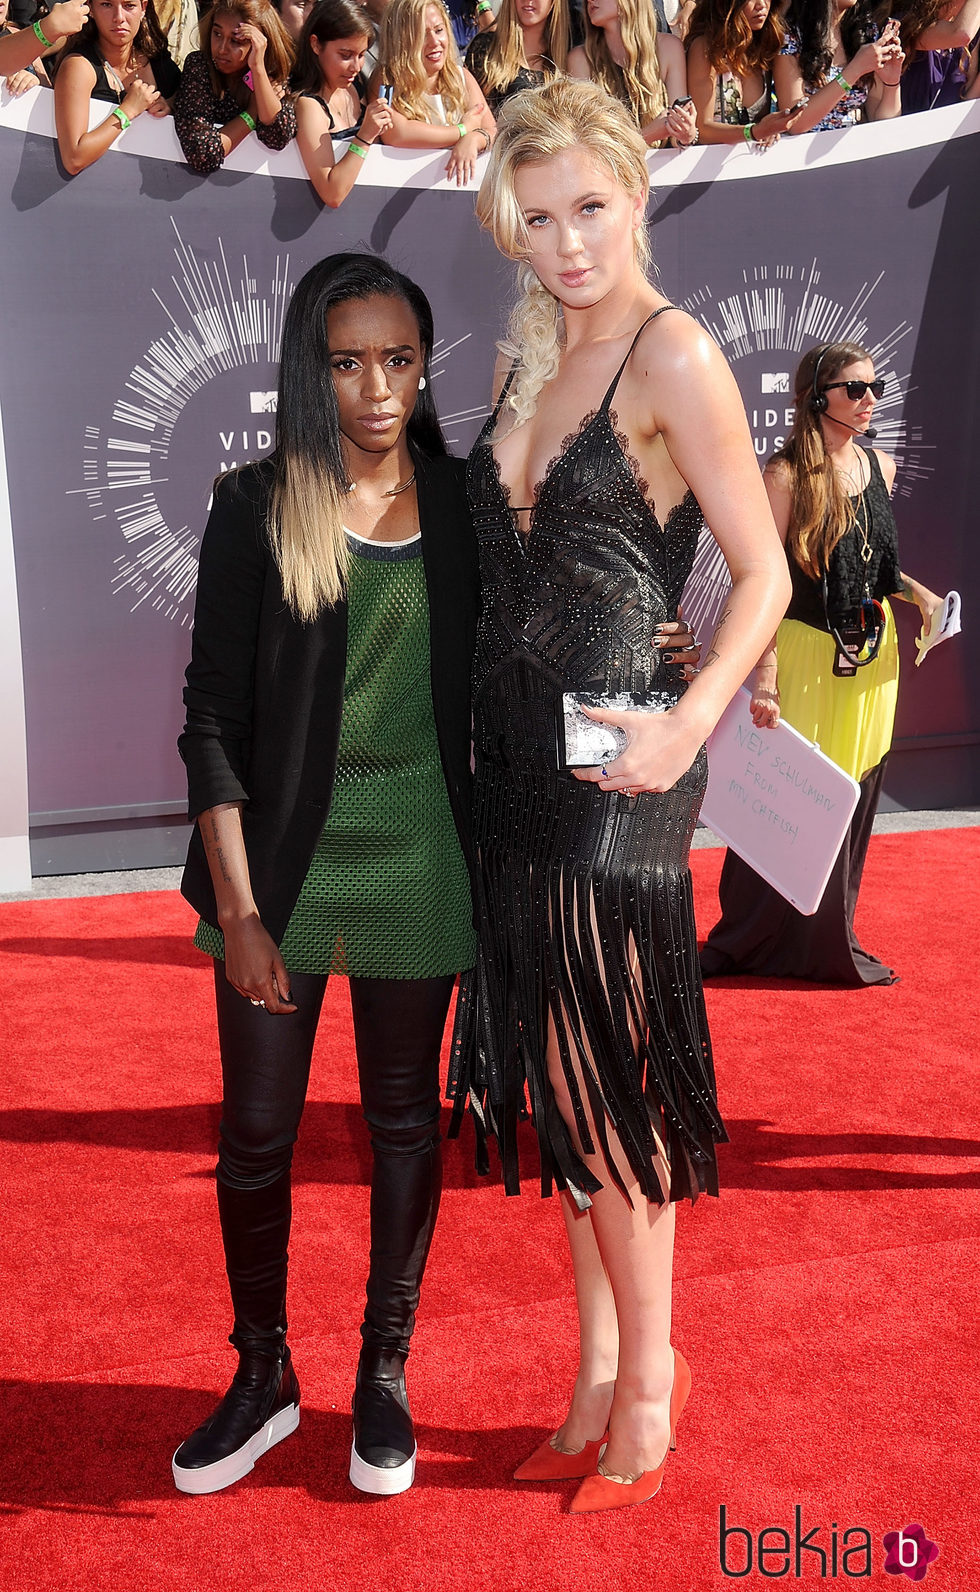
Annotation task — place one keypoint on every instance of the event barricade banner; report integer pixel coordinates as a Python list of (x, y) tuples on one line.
[(143, 311)]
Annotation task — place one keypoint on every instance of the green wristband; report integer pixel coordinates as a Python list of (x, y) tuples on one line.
[(356, 149), (124, 120), (842, 80), (462, 129), (248, 120), (749, 134), (40, 33)]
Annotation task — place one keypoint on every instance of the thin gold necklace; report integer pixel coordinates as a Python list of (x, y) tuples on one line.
[(863, 528), (859, 486), (352, 487)]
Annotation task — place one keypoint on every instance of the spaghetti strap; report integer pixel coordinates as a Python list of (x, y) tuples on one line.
[(629, 353), (501, 396)]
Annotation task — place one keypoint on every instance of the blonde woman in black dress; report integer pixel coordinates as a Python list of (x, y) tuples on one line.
[(587, 993)]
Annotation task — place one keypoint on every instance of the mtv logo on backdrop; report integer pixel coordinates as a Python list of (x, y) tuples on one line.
[(775, 381), (264, 403)]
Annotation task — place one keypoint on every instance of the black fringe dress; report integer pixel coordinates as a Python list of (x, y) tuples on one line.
[(584, 897)]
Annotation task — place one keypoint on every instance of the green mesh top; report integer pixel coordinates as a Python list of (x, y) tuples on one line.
[(387, 894)]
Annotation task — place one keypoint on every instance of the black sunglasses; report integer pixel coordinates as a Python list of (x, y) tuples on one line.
[(857, 389)]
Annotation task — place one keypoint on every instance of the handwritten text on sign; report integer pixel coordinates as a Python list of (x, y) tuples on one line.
[(777, 801)]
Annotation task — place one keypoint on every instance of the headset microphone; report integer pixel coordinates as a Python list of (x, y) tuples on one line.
[(818, 399), (870, 432)]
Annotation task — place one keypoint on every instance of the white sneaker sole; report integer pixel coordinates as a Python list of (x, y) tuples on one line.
[(384, 1483), (212, 1478)]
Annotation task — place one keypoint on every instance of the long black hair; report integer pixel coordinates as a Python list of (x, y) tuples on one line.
[(811, 21), (310, 480), (307, 419)]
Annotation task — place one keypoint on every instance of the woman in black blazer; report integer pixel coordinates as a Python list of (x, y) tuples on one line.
[(327, 745)]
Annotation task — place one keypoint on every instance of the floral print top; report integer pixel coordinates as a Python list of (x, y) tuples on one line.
[(199, 113), (849, 109)]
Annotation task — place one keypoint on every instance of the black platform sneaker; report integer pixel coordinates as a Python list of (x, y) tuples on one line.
[(260, 1408), (382, 1458)]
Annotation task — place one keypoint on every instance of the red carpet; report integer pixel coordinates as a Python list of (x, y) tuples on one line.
[(827, 1303)]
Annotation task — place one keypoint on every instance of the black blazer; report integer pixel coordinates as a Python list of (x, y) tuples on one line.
[(265, 692)]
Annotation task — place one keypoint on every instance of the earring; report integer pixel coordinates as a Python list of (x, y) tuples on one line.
[(422, 385)]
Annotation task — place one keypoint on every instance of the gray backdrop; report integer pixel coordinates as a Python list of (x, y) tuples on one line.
[(143, 307)]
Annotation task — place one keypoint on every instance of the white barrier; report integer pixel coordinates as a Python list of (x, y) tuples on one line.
[(155, 137)]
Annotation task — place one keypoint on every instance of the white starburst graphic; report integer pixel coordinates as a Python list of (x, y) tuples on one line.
[(764, 327), (200, 400)]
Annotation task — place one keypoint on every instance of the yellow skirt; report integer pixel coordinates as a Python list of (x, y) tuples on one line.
[(850, 720)]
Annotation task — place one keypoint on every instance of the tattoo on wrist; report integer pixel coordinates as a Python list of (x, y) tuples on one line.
[(713, 655), (213, 848)]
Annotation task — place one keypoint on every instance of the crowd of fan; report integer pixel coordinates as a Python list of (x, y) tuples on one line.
[(420, 74)]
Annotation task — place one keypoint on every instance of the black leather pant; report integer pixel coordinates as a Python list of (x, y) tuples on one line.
[(265, 1063)]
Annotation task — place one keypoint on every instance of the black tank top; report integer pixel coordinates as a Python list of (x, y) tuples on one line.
[(166, 73), (360, 87), (849, 578)]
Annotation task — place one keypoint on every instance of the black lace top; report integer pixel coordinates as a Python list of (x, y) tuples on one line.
[(199, 113), (572, 604), (849, 578), (476, 61)]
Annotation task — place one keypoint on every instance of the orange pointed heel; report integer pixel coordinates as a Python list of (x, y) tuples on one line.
[(548, 1464), (600, 1492)]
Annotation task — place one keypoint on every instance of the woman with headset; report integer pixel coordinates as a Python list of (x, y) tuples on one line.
[(832, 670)]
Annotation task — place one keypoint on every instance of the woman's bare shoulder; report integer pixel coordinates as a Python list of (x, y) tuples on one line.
[(670, 51), (779, 473), (673, 341), (76, 71), (887, 465)]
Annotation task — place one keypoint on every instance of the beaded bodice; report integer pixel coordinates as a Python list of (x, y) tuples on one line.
[(571, 604)]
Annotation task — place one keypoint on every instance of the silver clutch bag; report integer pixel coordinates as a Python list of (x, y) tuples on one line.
[(582, 743)]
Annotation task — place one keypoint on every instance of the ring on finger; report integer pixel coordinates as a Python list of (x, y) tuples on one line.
[(255, 1002)]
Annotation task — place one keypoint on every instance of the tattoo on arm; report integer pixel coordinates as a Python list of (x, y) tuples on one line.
[(905, 590), (213, 848), (713, 655)]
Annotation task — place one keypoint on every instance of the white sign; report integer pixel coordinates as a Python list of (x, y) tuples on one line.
[(779, 802)]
